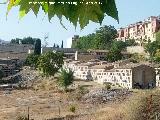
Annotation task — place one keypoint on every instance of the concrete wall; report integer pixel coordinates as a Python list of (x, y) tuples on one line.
[(135, 49), (144, 75), (13, 55)]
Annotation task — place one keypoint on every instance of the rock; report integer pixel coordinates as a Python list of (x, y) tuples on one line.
[(103, 95)]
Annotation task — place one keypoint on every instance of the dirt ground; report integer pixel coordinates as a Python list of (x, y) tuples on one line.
[(47, 104)]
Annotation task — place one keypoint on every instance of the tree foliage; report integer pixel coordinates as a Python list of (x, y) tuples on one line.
[(118, 45), (49, 63), (152, 47), (66, 78), (28, 40), (37, 47), (138, 57), (158, 36), (157, 56), (114, 55), (131, 42), (25, 40), (82, 12), (115, 51), (101, 39), (32, 60), (16, 41)]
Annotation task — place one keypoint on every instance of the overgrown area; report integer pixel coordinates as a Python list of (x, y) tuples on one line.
[(83, 100)]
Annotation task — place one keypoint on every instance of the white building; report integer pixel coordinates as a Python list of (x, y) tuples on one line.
[(126, 75)]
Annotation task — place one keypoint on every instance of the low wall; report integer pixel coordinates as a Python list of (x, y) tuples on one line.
[(135, 49)]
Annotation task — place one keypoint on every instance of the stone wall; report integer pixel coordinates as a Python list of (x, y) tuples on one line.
[(144, 75), (135, 49)]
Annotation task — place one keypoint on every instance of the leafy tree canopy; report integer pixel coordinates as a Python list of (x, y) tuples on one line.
[(25, 40), (28, 40), (152, 47), (158, 36), (101, 39), (157, 56), (115, 51), (114, 55), (15, 41), (49, 63), (81, 12), (118, 45), (32, 60)]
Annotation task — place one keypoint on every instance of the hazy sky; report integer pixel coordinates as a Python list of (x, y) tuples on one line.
[(130, 11)]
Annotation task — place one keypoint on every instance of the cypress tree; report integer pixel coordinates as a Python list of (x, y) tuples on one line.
[(62, 44), (37, 47)]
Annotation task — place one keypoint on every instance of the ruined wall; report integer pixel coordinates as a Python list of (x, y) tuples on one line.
[(144, 75)]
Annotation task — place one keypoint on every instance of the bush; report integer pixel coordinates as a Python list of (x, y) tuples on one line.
[(66, 78), (108, 86), (72, 108)]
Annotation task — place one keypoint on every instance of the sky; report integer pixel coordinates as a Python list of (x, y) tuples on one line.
[(130, 11)]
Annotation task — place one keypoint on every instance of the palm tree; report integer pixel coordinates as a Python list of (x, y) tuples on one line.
[(65, 78)]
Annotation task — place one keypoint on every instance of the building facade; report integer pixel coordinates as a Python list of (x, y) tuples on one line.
[(141, 31)]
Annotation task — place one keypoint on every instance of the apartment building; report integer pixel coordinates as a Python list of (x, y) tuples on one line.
[(141, 31)]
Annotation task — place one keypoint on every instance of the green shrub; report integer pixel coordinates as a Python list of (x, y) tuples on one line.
[(72, 108), (108, 86), (65, 78)]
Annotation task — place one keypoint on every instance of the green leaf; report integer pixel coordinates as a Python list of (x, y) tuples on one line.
[(109, 7), (81, 13), (22, 13), (35, 9)]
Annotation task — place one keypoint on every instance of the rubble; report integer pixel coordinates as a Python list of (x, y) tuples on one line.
[(104, 95), (27, 77)]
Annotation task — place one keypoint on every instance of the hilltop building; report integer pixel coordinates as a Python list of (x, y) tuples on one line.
[(141, 31)]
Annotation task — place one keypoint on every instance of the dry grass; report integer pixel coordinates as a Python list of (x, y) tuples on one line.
[(141, 106), (134, 108), (45, 85), (44, 103)]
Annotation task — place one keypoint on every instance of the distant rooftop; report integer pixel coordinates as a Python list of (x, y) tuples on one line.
[(132, 65), (15, 48), (64, 50)]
